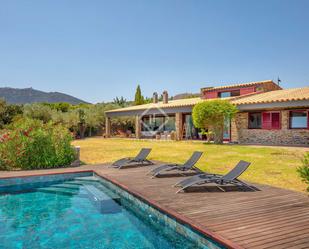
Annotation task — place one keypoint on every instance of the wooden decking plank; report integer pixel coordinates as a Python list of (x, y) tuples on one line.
[(259, 229), (273, 236), (285, 242), (241, 213), (277, 214), (261, 220)]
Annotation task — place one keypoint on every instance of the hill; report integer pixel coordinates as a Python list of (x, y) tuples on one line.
[(30, 95), (186, 96)]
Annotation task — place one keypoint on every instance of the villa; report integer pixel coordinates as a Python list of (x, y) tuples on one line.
[(267, 114)]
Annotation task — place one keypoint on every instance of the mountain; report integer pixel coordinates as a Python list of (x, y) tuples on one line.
[(186, 96), (30, 95)]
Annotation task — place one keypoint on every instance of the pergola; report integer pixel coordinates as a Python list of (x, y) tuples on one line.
[(173, 107)]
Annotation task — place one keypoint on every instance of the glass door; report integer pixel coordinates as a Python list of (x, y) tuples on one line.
[(227, 129)]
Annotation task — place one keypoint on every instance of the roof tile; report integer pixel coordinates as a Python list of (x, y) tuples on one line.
[(285, 95)]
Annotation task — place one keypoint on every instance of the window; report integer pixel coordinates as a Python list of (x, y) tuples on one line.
[(255, 120), (225, 94), (271, 120), (229, 94), (235, 93), (169, 124), (298, 119), (158, 123)]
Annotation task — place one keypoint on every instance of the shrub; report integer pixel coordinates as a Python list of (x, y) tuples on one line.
[(31, 144), (210, 115), (38, 111), (8, 112), (304, 170)]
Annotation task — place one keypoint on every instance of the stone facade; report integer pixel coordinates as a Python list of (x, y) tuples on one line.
[(178, 125), (285, 136)]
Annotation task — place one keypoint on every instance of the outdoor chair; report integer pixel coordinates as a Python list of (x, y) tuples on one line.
[(139, 160), (219, 181), (179, 168)]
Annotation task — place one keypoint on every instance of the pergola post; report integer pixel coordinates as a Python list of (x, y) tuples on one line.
[(179, 125), (138, 127), (108, 127)]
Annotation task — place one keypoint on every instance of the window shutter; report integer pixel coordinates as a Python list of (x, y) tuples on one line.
[(266, 120), (275, 120)]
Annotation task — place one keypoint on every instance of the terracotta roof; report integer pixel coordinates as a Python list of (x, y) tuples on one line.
[(284, 95), (171, 103), (240, 85)]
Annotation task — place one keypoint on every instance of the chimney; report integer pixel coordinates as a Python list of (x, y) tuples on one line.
[(165, 97), (155, 98)]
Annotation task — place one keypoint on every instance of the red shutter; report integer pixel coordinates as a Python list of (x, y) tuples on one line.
[(271, 120), (266, 120), (275, 120)]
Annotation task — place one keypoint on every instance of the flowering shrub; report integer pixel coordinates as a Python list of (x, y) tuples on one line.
[(304, 170), (31, 144)]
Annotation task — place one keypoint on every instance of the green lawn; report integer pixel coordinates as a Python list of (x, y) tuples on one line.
[(275, 166)]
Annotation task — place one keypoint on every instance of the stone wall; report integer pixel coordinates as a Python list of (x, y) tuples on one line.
[(178, 125), (285, 136)]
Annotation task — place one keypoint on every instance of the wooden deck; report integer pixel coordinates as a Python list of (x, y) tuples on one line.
[(269, 218)]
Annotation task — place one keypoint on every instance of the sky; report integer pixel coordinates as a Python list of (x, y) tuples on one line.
[(96, 50)]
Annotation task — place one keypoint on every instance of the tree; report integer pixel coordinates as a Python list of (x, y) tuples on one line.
[(9, 113), (139, 99), (211, 115), (38, 111), (92, 118), (120, 101), (81, 123)]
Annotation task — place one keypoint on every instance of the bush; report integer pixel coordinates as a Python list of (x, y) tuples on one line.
[(8, 113), (38, 111), (210, 115), (31, 144), (304, 170)]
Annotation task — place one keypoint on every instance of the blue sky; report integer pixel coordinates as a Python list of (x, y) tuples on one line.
[(96, 50)]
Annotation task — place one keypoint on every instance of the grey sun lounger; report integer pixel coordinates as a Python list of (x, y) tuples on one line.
[(139, 160), (188, 165), (229, 178)]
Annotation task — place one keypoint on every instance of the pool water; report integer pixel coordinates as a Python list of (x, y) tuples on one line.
[(79, 213)]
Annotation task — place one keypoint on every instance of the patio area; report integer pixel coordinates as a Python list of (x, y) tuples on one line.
[(269, 218)]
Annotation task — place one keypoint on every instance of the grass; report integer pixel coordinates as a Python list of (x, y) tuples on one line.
[(274, 166)]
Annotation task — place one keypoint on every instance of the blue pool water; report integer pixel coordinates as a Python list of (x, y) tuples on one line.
[(82, 212)]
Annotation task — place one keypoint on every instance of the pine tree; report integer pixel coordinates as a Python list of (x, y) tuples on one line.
[(139, 99)]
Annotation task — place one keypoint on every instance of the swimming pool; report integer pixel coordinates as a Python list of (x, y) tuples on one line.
[(85, 211)]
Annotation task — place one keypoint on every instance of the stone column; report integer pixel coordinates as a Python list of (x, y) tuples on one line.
[(239, 127), (285, 120), (179, 125), (108, 127), (234, 130), (138, 127)]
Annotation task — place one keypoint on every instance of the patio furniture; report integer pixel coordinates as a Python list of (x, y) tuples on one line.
[(139, 160), (188, 165), (229, 178)]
